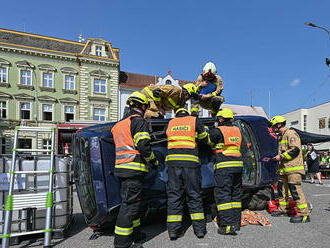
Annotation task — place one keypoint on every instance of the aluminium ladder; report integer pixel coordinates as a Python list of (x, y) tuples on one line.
[(33, 200)]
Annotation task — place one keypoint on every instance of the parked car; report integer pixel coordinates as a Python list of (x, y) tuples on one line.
[(98, 188)]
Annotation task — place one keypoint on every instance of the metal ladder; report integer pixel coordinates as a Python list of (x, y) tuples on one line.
[(33, 200)]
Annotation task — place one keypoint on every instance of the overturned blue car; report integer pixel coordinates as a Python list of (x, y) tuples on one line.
[(98, 188)]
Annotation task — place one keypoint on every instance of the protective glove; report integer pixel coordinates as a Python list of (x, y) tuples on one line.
[(154, 163), (157, 92)]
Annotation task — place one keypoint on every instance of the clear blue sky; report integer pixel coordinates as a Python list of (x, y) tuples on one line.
[(256, 45)]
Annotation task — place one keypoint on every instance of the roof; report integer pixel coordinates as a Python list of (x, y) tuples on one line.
[(139, 81), (40, 42)]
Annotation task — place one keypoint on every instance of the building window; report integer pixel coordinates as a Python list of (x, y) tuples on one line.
[(321, 123), (3, 146), (168, 82), (47, 112), (26, 78), (3, 75), (25, 143), (99, 114), (68, 113), (3, 110), (305, 122), (69, 82), (47, 80), (99, 86), (47, 144), (25, 111), (98, 50), (294, 123)]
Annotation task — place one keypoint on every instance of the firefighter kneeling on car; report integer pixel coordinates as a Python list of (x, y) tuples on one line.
[(184, 176), (291, 168), (133, 151), (228, 167)]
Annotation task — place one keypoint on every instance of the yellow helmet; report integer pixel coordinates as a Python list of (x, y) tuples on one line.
[(181, 109), (191, 88), (277, 119), (225, 113), (137, 96)]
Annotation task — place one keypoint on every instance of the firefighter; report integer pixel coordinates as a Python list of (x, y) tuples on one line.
[(209, 87), (291, 169), (228, 167), (133, 151), (167, 97), (184, 176)]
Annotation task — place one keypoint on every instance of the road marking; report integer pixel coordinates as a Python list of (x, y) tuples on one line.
[(321, 195)]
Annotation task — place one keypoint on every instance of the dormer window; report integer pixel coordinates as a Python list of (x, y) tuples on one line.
[(168, 82), (98, 51)]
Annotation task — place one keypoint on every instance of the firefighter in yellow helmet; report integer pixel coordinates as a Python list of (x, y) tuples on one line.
[(291, 168), (133, 152), (209, 87), (228, 167), (184, 176), (167, 97)]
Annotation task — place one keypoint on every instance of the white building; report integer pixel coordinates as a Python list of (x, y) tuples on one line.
[(130, 82), (314, 120)]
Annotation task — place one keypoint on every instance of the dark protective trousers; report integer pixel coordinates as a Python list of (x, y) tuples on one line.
[(227, 190), (184, 183), (128, 219)]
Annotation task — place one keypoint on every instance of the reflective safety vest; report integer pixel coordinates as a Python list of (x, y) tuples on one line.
[(127, 156), (228, 154), (232, 141), (181, 133)]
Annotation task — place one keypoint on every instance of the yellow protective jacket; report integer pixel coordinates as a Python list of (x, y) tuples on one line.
[(289, 148), (170, 97)]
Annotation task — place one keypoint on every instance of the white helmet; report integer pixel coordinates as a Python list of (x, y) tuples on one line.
[(209, 67)]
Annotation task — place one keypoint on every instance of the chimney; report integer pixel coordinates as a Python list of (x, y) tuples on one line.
[(170, 73)]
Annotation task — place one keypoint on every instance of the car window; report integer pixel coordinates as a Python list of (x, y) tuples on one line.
[(249, 151)]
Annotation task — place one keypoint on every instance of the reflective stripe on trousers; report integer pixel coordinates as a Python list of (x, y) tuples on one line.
[(174, 218)]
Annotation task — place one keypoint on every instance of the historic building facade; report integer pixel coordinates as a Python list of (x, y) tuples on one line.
[(45, 81)]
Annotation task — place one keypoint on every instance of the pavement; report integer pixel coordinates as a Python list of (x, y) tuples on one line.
[(280, 234)]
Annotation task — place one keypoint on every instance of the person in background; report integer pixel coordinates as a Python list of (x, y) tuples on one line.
[(313, 163), (209, 87), (325, 159)]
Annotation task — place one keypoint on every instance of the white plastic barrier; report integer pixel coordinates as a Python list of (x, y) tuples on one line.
[(34, 219)]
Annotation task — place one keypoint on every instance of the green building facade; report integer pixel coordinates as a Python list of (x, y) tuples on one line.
[(47, 81)]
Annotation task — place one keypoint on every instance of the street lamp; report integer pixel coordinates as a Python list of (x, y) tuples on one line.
[(327, 60)]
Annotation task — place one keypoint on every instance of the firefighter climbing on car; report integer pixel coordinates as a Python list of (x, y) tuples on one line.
[(163, 98), (133, 152), (291, 169), (209, 87), (184, 176), (228, 168)]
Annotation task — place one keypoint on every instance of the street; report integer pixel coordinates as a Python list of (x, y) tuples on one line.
[(280, 234)]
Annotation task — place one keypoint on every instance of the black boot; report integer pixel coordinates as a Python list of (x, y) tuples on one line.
[(300, 219), (175, 235), (227, 230), (201, 235), (139, 236)]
